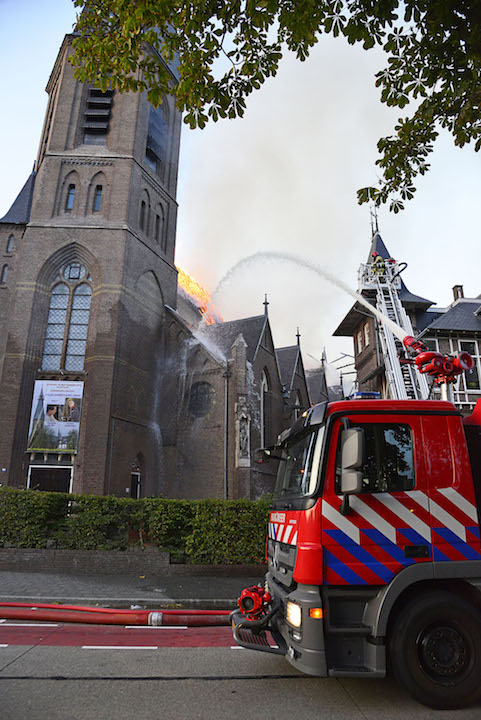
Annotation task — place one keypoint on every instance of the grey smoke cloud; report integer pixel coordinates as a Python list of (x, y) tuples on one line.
[(284, 178)]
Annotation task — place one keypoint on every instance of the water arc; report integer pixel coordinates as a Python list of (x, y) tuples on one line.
[(279, 256)]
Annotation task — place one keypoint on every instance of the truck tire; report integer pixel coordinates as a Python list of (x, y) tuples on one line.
[(435, 650)]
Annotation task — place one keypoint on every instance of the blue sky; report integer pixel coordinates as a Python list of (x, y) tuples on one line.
[(283, 178)]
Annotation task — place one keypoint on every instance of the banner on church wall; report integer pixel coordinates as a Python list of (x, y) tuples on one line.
[(55, 417)]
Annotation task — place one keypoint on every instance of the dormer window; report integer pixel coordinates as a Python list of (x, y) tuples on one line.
[(70, 198)]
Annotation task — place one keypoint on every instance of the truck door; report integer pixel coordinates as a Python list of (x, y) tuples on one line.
[(452, 502), (387, 526)]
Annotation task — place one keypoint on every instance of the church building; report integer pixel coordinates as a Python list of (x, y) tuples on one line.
[(109, 382)]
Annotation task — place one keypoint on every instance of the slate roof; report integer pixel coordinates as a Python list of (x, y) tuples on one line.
[(19, 213), (426, 317), (225, 334), (317, 385), (350, 322), (287, 361), (460, 316), (407, 298), (357, 312)]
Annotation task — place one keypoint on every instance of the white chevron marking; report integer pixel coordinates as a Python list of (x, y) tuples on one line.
[(420, 497), (341, 522), (374, 518), (457, 499), (410, 518), (451, 523)]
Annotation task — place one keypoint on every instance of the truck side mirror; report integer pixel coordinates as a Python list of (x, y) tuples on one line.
[(352, 459), (261, 456), (265, 455)]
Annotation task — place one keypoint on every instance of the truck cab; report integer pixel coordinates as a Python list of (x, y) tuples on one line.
[(374, 549)]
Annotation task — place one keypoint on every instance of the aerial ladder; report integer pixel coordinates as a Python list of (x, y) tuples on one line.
[(382, 277)]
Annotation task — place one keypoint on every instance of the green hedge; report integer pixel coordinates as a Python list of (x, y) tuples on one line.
[(28, 518), (195, 531), (228, 532)]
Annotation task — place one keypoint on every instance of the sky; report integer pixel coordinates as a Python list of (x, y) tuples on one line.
[(282, 179)]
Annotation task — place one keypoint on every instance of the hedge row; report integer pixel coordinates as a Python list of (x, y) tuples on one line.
[(194, 531)]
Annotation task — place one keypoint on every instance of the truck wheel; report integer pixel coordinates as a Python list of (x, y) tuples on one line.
[(435, 650)]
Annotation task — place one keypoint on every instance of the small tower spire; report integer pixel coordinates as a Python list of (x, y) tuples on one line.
[(266, 303), (298, 336), (374, 223)]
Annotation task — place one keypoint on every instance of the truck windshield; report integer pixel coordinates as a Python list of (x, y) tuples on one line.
[(298, 472)]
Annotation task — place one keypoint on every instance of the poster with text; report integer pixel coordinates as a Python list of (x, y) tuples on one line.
[(55, 417)]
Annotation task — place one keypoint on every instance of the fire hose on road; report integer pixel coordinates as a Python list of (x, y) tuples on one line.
[(112, 616)]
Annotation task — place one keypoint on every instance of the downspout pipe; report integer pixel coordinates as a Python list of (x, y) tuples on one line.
[(227, 375)]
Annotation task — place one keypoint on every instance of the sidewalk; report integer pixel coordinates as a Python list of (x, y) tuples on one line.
[(207, 591)]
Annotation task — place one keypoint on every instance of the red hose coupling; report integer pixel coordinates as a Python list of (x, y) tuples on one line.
[(253, 599)]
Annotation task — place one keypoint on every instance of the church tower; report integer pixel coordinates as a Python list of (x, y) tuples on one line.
[(86, 269)]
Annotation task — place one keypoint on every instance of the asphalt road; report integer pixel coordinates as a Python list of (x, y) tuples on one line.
[(65, 672)]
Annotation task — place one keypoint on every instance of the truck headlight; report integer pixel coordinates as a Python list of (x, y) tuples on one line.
[(293, 614)]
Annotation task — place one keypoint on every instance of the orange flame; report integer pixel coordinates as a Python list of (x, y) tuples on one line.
[(200, 296)]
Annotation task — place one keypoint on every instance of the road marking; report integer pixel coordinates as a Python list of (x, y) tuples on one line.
[(120, 647), (34, 624), (241, 647), (156, 627)]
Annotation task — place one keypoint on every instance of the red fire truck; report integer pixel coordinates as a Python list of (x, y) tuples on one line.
[(373, 548)]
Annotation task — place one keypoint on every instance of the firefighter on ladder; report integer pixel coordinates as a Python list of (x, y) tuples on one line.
[(378, 264)]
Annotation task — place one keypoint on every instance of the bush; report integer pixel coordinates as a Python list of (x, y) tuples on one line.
[(169, 523), (95, 523), (228, 532), (28, 518), (199, 531)]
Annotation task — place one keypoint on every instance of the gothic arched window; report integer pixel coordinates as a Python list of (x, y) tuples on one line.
[(264, 408), (3, 275), (142, 215), (97, 199), (10, 244), (68, 319), (70, 198)]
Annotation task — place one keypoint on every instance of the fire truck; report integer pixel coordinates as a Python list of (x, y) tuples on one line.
[(373, 547)]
